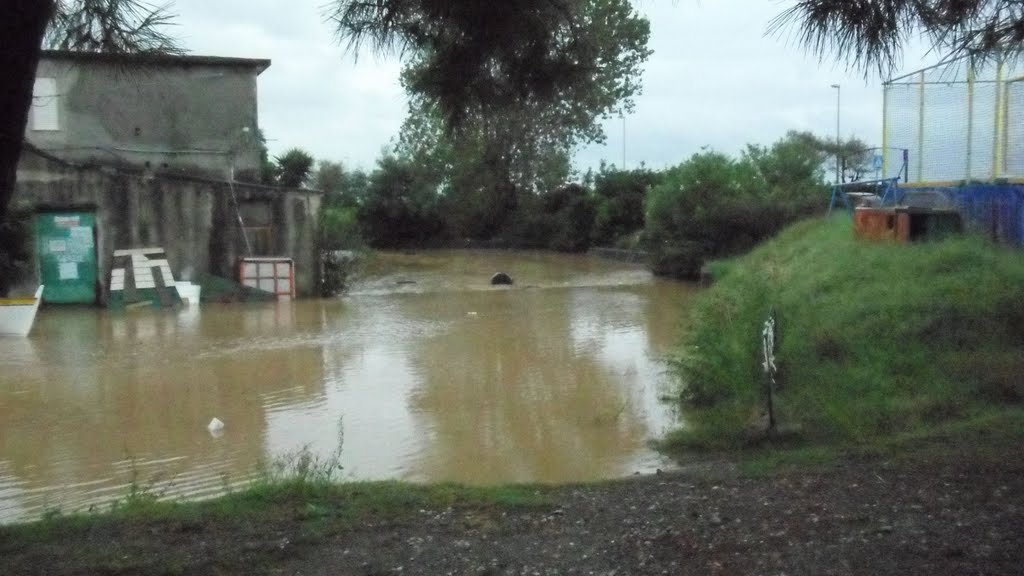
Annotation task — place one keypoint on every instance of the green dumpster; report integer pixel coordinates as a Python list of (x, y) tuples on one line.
[(66, 255)]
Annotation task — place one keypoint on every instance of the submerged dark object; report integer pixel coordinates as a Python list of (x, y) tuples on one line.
[(501, 279)]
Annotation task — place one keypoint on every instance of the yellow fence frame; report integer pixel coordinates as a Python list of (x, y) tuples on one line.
[(998, 161), (1001, 114), (1007, 115), (970, 118), (920, 128)]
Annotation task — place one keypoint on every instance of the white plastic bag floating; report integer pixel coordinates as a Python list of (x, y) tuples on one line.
[(215, 425)]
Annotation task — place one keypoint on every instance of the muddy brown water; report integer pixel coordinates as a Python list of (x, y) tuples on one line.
[(423, 372)]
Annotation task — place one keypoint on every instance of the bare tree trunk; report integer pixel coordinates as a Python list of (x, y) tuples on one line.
[(22, 25)]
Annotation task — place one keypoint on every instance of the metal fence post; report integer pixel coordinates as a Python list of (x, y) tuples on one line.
[(997, 143), (768, 340), (970, 118), (920, 129)]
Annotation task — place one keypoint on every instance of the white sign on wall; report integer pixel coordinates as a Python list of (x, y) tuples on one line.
[(45, 105)]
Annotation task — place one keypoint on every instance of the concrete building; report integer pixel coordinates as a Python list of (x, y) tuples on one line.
[(195, 114), (138, 151)]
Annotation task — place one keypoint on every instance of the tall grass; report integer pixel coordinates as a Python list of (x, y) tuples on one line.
[(875, 339), (301, 486), (298, 501)]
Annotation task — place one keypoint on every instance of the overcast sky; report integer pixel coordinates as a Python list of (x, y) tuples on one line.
[(715, 79)]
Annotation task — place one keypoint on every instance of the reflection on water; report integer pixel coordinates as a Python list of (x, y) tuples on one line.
[(423, 372)]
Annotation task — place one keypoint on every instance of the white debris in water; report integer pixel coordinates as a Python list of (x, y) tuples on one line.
[(470, 313), (215, 425)]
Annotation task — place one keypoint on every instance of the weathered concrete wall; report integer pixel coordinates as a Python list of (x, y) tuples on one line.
[(193, 219), (188, 116)]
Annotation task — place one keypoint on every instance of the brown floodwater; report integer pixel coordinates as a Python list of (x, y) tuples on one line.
[(423, 372)]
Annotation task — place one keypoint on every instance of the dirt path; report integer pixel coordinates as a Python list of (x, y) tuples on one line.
[(859, 517), (852, 520)]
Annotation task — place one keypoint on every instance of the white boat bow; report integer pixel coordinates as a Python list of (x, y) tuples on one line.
[(18, 314)]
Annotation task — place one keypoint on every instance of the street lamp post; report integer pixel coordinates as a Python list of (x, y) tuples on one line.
[(623, 140), (839, 173)]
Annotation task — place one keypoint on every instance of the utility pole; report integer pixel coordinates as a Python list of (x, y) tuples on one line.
[(839, 138)]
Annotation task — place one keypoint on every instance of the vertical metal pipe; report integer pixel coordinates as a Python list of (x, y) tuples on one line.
[(970, 119), (1005, 149), (885, 130), (997, 145), (839, 173), (623, 141), (920, 129)]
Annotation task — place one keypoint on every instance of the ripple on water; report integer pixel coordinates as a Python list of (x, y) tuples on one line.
[(285, 399), (447, 378)]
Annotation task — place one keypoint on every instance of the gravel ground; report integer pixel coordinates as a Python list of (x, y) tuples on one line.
[(857, 518), (959, 516)]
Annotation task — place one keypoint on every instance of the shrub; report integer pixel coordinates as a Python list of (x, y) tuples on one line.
[(562, 220), (619, 198), (339, 229), (713, 205), (700, 209), (529, 226), (401, 207), (339, 238), (294, 168), (571, 210)]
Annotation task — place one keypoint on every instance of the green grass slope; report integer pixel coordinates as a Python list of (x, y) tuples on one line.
[(875, 339)]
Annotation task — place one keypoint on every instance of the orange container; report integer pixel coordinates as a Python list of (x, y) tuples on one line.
[(876, 224)]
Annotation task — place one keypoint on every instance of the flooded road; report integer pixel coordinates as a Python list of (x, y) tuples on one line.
[(422, 372)]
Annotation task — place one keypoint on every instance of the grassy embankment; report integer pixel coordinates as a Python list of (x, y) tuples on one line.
[(880, 344)]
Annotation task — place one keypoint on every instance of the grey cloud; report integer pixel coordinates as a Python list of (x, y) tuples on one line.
[(715, 79)]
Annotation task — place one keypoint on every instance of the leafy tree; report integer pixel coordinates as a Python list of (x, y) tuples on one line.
[(484, 169), (571, 209), (854, 157), (338, 235), (339, 228), (401, 207), (337, 225), (356, 187), (483, 52), (803, 155), (698, 211), (510, 144), (792, 163), (341, 188), (562, 219), (620, 201), (872, 33), (329, 178), (293, 168), (112, 27), (472, 58)]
